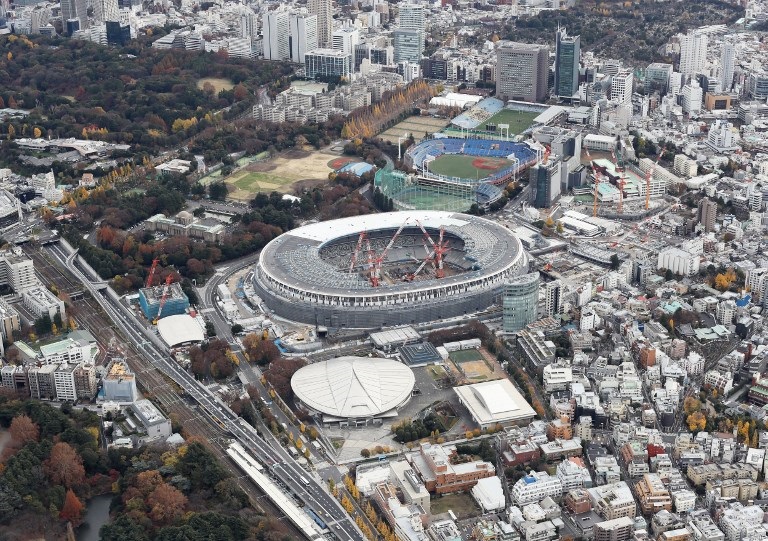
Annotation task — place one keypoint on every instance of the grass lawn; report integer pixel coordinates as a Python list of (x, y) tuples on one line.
[(426, 197), (258, 182), (459, 165), (518, 121), (461, 503), (465, 356)]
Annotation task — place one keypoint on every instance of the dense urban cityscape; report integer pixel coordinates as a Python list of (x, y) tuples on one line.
[(386, 271)]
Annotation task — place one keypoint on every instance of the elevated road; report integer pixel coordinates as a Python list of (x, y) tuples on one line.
[(283, 467)]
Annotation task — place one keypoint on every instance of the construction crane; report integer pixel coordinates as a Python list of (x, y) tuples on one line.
[(371, 270), (379, 260), (164, 298), (353, 261), (152, 272), (648, 176), (622, 181), (439, 249)]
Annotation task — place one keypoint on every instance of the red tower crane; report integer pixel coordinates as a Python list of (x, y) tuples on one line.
[(152, 272), (353, 261), (164, 298), (439, 249), (622, 181), (379, 260)]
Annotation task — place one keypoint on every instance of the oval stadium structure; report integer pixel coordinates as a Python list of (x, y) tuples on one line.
[(353, 388), (339, 273)]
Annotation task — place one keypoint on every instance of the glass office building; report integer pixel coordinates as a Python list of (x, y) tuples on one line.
[(520, 303)]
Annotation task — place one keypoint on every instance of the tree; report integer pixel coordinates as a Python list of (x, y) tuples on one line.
[(72, 511), (560, 227), (166, 503), (23, 430), (615, 262), (696, 421), (37, 133), (365, 453), (64, 466), (691, 405)]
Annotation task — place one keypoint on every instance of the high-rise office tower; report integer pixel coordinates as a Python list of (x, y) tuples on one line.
[(707, 214), (324, 11), (249, 25), (408, 46), (544, 180), (106, 11), (521, 71), (567, 53), (621, 87), (553, 298), (520, 302), (409, 36), (275, 32), (727, 63), (302, 36), (693, 53), (345, 39), (75, 9)]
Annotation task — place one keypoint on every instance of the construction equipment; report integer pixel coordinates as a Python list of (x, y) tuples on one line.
[(371, 270), (379, 260), (622, 181), (648, 176), (353, 261), (164, 298), (439, 249), (152, 272)]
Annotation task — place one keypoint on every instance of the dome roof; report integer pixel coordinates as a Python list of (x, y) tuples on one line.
[(353, 387)]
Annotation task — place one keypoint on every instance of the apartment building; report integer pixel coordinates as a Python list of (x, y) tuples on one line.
[(652, 494), (618, 529), (534, 487), (613, 501)]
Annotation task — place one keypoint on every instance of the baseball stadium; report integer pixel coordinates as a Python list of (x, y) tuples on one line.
[(387, 269)]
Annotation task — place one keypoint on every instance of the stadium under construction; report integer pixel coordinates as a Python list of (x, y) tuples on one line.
[(388, 269)]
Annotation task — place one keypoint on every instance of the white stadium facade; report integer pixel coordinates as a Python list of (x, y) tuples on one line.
[(353, 389), (321, 273)]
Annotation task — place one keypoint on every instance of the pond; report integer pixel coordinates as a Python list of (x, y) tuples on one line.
[(96, 516)]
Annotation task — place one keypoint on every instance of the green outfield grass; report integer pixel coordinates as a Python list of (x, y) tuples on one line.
[(460, 165), (425, 197), (465, 356), (518, 121)]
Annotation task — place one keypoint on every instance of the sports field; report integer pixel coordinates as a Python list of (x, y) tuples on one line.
[(258, 182), (471, 167), (414, 125), (518, 121), (427, 197), (465, 356)]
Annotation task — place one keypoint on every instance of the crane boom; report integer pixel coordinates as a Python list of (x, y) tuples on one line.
[(164, 298), (152, 269), (353, 261)]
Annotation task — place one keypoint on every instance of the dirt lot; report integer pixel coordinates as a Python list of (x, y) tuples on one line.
[(415, 125), (289, 171), (474, 366)]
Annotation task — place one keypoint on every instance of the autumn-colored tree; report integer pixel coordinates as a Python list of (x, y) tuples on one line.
[(64, 466), (691, 405), (12, 101), (240, 92), (37, 133), (23, 430), (148, 481), (11, 132), (166, 503), (696, 421), (72, 511)]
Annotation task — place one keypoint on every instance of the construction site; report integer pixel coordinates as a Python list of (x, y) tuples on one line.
[(159, 301), (387, 269)]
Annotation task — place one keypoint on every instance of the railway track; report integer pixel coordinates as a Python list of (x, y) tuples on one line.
[(89, 315)]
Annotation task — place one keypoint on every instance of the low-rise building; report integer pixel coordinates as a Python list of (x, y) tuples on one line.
[(613, 501), (652, 494), (618, 529), (119, 384), (534, 487), (438, 473)]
